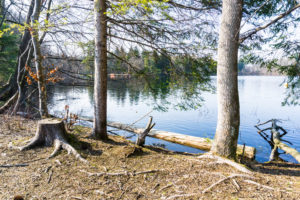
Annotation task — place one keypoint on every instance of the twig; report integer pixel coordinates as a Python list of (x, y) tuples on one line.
[(263, 123), (141, 118), (78, 198), (50, 176), (236, 184), (258, 184), (16, 165), (58, 162), (180, 195), (113, 133), (224, 179), (125, 173), (167, 186), (263, 136), (47, 169)]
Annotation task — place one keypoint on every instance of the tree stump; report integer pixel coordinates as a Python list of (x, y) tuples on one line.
[(50, 132)]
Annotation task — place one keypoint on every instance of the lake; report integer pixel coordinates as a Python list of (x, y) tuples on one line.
[(261, 99)]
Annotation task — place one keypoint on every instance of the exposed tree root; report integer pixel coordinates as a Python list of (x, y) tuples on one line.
[(221, 160), (52, 132), (125, 173), (224, 179)]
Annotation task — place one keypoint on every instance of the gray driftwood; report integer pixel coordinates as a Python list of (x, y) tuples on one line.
[(140, 141), (52, 132), (275, 140)]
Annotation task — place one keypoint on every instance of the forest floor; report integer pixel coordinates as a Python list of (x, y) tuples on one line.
[(126, 172)]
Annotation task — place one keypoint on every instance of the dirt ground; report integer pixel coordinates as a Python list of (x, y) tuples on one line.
[(126, 172)]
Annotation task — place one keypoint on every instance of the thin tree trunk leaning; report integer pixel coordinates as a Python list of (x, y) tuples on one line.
[(191, 141), (141, 137), (38, 60), (52, 132), (227, 131), (20, 78), (100, 83)]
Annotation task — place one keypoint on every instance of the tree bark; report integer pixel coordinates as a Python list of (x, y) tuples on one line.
[(225, 142), (38, 60), (100, 80)]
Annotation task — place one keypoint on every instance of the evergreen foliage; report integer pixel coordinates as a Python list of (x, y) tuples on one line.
[(8, 53)]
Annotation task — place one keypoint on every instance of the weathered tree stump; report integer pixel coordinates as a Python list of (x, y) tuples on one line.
[(50, 132)]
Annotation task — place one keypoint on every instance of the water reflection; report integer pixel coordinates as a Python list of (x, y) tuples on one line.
[(260, 99)]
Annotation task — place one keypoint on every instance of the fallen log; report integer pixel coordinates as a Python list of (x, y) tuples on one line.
[(187, 140)]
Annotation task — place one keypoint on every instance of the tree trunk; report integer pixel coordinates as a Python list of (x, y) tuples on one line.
[(21, 79), (100, 80), (38, 60), (225, 142), (11, 88)]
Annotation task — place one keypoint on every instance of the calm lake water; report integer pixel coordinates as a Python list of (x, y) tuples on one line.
[(260, 99)]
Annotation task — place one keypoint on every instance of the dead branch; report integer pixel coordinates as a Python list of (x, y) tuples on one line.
[(125, 173), (258, 184), (14, 165), (180, 195), (236, 184), (50, 177), (141, 137)]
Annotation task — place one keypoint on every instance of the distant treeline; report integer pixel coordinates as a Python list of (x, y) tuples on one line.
[(135, 61)]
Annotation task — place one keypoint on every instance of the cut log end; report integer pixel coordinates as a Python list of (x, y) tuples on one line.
[(51, 132)]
